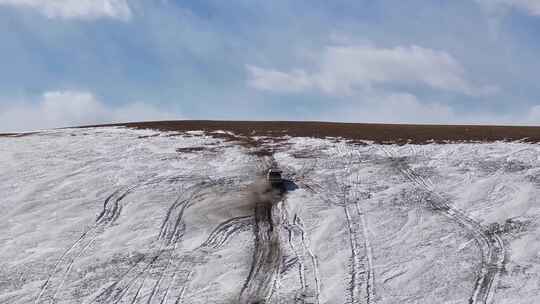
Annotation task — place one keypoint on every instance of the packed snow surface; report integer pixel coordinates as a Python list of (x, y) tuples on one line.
[(113, 215)]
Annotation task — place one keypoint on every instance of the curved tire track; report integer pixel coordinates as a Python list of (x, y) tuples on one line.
[(490, 244), (166, 276), (216, 240), (111, 212), (170, 234)]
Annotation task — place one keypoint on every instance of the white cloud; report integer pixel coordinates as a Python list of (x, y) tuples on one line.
[(272, 80), (341, 70), (531, 7), (390, 107), (81, 9), (395, 107), (72, 108), (405, 108)]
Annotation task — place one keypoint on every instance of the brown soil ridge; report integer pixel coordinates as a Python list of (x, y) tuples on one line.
[(378, 133)]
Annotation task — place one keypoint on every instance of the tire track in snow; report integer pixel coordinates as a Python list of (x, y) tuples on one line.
[(172, 226), (69, 266), (490, 244), (170, 235), (169, 239), (111, 211), (216, 240), (304, 258), (306, 248), (112, 207), (173, 229), (354, 284), (354, 181), (162, 273), (116, 291), (297, 260), (267, 256), (362, 275), (359, 266), (106, 218), (370, 281), (221, 234), (120, 288)]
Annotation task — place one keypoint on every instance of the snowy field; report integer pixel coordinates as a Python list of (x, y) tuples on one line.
[(113, 215)]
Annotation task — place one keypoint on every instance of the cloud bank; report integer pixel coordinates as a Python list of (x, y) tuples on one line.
[(76, 9), (373, 84), (341, 70), (400, 107), (72, 108)]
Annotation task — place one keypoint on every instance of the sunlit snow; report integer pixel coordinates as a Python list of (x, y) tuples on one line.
[(113, 215)]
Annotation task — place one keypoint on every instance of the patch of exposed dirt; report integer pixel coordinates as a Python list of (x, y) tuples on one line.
[(244, 131), (192, 149), (17, 134)]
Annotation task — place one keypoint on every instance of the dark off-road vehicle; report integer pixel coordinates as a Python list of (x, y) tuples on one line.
[(273, 176)]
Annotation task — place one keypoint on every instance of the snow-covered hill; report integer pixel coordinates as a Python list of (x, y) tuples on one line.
[(114, 215)]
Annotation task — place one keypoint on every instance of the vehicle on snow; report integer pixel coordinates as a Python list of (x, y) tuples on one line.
[(273, 176)]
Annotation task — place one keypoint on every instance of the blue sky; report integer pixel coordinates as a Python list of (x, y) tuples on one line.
[(72, 62)]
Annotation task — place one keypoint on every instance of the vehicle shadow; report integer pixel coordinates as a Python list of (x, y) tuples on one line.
[(288, 185)]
